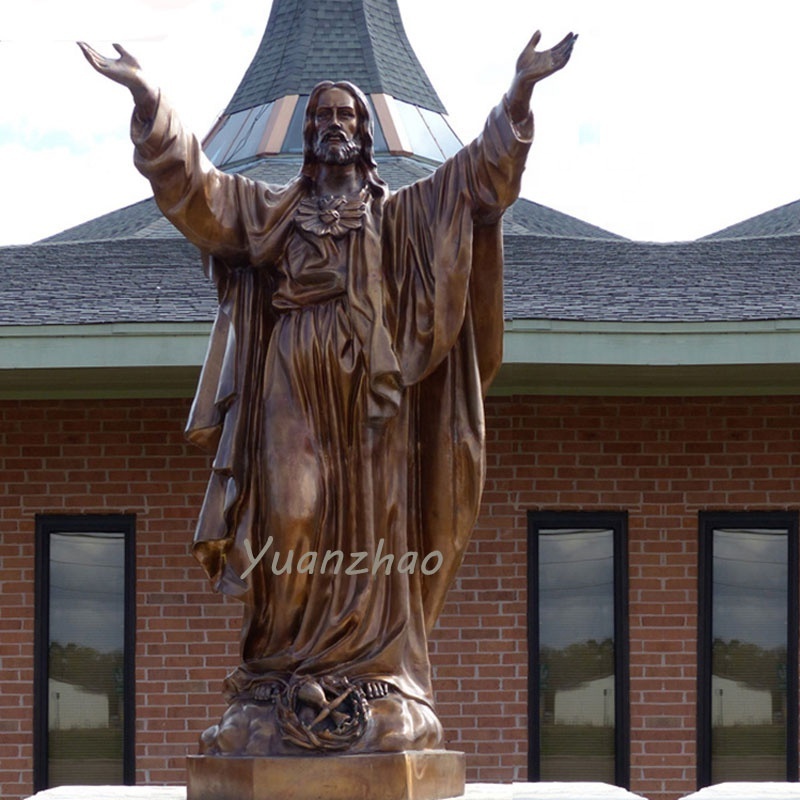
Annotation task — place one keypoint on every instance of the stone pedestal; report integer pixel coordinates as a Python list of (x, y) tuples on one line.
[(421, 775)]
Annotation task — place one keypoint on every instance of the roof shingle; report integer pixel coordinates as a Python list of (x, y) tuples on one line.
[(547, 278), (307, 41), (781, 221)]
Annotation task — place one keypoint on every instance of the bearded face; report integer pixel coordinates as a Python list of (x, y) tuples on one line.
[(337, 148), (336, 140)]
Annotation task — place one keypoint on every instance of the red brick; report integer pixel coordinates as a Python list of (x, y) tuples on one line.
[(661, 459)]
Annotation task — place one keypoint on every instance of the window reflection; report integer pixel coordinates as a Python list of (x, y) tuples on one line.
[(219, 144), (85, 658), (749, 655), (576, 655), (293, 141), (448, 142), (420, 138), (247, 142)]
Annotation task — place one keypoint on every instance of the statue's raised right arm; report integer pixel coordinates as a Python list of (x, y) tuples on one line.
[(127, 71), (201, 201)]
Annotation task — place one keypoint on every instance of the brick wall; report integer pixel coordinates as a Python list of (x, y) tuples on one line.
[(662, 460), (70, 457)]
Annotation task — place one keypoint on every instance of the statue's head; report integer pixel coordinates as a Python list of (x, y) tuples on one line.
[(338, 128)]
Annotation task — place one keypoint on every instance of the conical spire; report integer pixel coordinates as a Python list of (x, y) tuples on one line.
[(306, 41)]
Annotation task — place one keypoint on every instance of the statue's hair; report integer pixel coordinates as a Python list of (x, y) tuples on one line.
[(366, 159)]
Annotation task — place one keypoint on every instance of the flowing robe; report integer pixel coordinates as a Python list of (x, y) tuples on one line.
[(342, 398)]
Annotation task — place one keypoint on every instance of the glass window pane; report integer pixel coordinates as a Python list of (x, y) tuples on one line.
[(576, 655), (85, 658), (448, 142), (379, 140), (248, 139), (293, 142), (749, 655), (218, 145), (419, 136)]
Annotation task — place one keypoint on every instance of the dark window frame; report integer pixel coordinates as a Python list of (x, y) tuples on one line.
[(618, 522), (46, 524), (707, 523)]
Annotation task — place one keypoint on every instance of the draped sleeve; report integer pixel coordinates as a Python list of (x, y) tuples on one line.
[(445, 312), (240, 226), (230, 216)]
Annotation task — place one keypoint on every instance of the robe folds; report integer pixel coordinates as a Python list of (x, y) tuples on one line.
[(342, 399)]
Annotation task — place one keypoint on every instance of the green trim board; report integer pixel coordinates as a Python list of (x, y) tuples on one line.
[(650, 359), (541, 357), (101, 361)]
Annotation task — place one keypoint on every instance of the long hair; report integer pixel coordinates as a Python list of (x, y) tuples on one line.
[(366, 158)]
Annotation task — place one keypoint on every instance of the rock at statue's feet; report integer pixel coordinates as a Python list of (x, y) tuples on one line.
[(323, 716)]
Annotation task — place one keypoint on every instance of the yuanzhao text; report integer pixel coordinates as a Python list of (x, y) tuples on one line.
[(332, 561)]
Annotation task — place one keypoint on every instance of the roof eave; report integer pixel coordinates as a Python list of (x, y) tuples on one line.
[(542, 357), (101, 361)]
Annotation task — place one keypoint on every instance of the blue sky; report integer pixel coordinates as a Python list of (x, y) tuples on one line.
[(672, 120)]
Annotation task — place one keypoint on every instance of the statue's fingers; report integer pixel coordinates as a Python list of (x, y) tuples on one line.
[(563, 50), (526, 55), (91, 55), (126, 56), (88, 51)]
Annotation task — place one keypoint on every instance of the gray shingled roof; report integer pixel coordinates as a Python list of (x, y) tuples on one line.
[(144, 220), (122, 223), (121, 280), (549, 278), (307, 41), (625, 281), (781, 221)]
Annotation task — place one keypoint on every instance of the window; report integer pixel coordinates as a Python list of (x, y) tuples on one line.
[(578, 647), (747, 642), (84, 650)]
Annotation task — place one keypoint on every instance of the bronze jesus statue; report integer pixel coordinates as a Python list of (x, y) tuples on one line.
[(342, 395)]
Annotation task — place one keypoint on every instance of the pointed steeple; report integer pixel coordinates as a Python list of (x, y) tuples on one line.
[(307, 41)]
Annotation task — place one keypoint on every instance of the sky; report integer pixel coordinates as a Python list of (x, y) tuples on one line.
[(672, 120)]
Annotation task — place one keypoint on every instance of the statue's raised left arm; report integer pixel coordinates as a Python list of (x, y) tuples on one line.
[(532, 66)]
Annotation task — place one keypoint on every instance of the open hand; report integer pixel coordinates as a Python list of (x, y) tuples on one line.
[(125, 70), (532, 66)]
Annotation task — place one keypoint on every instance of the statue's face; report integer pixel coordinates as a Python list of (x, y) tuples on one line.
[(336, 121)]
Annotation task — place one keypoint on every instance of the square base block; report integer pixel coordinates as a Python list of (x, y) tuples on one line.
[(410, 775)]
